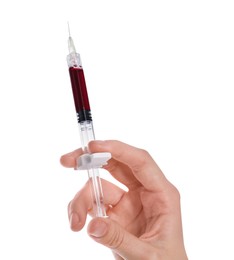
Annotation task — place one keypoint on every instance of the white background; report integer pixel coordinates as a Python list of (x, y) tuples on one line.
[(159, 76)]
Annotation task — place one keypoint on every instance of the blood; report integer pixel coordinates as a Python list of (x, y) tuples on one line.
[(79, 89)]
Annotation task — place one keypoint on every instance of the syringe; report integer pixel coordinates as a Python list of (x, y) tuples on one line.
[(85, 123)]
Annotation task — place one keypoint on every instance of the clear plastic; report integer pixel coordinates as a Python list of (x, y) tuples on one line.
[(74, 60), (87, 135), (97, 194)]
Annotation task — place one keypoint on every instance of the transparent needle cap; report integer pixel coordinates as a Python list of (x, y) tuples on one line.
[(73, 58)]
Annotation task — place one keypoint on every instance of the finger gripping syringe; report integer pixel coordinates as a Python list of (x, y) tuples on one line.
[(90, 162)]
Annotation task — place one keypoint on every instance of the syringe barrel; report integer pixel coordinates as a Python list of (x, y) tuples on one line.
[(80, 94), (84, 118), (86, 134)]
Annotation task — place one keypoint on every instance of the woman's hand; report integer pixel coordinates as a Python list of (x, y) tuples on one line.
[(145, 221)]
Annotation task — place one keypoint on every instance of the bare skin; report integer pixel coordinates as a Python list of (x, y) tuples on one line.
[(144, 222)]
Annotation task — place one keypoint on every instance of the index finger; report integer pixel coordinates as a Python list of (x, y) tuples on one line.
[(143, 167), (69, 160)]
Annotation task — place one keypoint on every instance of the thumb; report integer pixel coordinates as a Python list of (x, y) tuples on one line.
[(110, 234)]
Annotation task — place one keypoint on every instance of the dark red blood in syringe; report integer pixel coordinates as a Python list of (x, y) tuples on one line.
[(79, 89)]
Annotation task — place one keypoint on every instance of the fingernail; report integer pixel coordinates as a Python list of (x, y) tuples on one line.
[(98, 229), (74, 220)]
